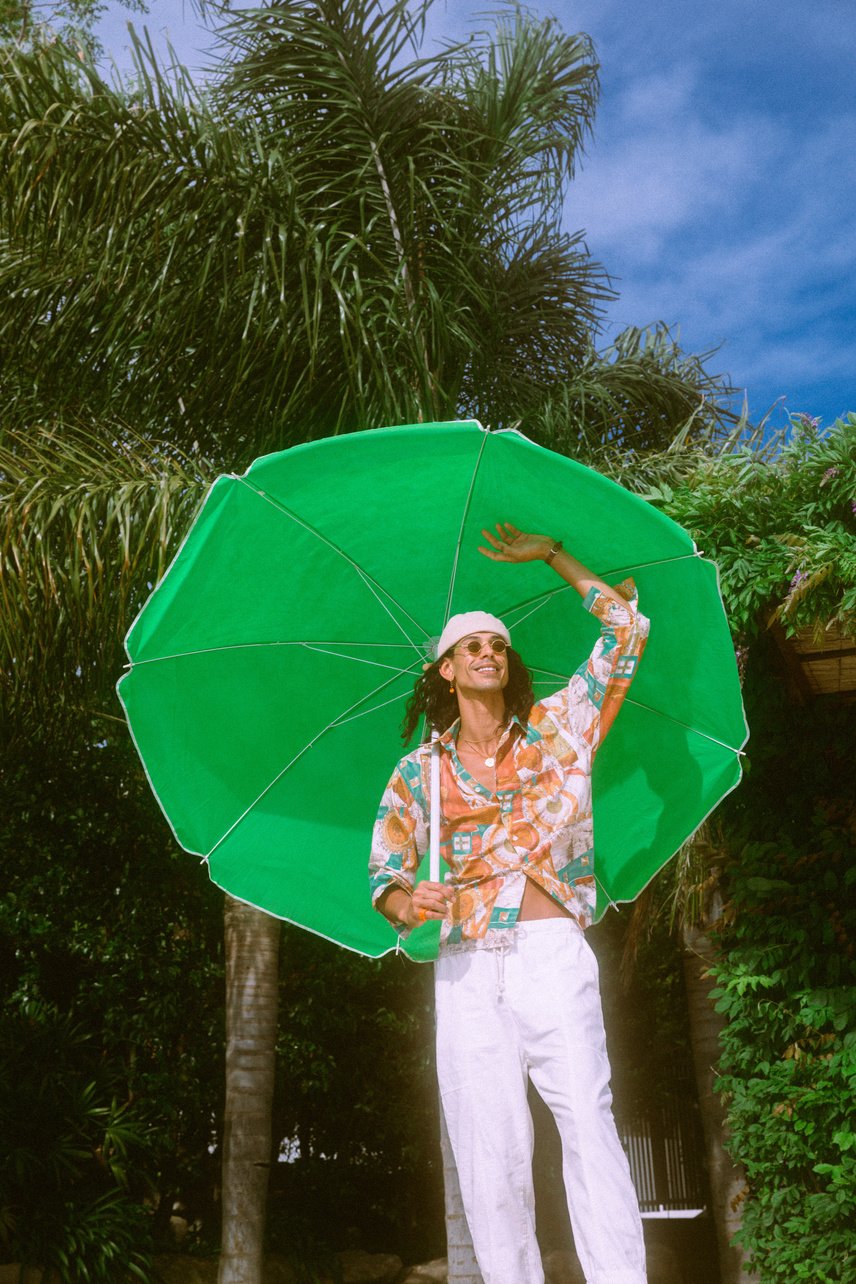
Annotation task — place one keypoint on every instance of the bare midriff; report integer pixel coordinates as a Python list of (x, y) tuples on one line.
[(537, 903)]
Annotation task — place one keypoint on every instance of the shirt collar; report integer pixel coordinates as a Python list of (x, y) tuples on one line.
[(450, 734)]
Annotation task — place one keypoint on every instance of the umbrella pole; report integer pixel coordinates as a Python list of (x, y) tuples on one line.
[(434, 816)]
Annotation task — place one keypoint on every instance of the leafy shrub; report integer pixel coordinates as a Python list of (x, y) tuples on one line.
[(68, 1154), (356, 1104), (111, 960), (786, 981), (782, 528)]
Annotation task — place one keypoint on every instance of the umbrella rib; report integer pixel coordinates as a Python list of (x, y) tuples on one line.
[(541, 599), (335, 722), (357, 659), (565, 678), (459, 542), (311, 646), (367, 579), (364, 713), (644, 566), (686, 726), (536, 603)]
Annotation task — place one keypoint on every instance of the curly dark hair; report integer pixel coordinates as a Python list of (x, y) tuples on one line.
[(432, 697)]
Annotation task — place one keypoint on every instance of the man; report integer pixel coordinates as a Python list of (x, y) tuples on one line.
[(516, 983)]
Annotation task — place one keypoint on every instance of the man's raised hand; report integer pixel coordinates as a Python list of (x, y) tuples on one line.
[(512, 545)]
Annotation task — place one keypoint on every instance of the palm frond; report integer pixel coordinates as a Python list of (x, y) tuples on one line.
[(642, 410), (87, 527)]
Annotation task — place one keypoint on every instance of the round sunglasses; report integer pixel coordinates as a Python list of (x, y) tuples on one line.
[(473, 646)]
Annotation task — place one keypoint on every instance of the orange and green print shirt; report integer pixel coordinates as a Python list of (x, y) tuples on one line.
[(538, 823)]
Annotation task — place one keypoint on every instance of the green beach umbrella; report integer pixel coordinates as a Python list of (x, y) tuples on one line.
[(270, 667)]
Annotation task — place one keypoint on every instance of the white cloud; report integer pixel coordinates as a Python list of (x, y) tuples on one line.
[(659, 167), (759, 297), (734, 225), (658, 97)]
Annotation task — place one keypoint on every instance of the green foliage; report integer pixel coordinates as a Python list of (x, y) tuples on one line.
[(245, 292), (780, 521), (87, 527), (781, 526), (111, 953), (645, 1014), (105, 925), (71, 1153), (786, 981), (357, 1102), (624, 403)]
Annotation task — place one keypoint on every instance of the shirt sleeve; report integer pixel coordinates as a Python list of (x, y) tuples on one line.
[(598, 688), (400, 835)]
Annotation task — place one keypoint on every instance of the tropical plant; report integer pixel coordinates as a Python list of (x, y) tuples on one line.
[(89, 524), (111, 960), (628, 408), (25, 23), (69, 1151), (779, 522), (786, 982)]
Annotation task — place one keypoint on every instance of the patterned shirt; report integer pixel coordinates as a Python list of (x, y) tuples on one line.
[(538, 823)]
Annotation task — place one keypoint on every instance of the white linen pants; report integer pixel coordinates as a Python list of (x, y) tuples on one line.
[(532, 1009)]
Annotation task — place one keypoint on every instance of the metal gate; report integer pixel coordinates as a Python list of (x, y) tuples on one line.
[(665, 1149)]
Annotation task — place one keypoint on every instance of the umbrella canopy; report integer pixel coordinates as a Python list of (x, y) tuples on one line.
[(270, 667)]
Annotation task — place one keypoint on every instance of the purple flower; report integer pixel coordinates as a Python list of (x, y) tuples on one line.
[(808, 421), (830, 473), (853, 507), (797, 580)]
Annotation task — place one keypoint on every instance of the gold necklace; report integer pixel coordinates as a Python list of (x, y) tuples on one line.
[(478, 745)]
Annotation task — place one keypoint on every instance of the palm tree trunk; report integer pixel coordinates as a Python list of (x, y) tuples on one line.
[(727, 1179), (252, 973)]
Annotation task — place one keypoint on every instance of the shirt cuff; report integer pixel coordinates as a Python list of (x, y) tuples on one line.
[(598, 604), (381, 883), (591, 597)]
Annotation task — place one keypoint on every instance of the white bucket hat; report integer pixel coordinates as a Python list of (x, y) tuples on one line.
[(470, 622)]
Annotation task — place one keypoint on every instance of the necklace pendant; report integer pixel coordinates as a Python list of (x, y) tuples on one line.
[(490, 762)]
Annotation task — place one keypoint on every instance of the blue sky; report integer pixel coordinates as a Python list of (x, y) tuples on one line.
[(719, 188)]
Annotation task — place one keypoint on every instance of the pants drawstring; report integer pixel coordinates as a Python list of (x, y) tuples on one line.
[(504, 946)]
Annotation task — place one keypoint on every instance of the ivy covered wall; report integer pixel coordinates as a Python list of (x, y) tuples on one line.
[(786, 981), (782, 528)]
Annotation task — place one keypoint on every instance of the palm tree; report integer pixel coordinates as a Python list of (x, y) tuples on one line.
[(329, 237), (252, 950)]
